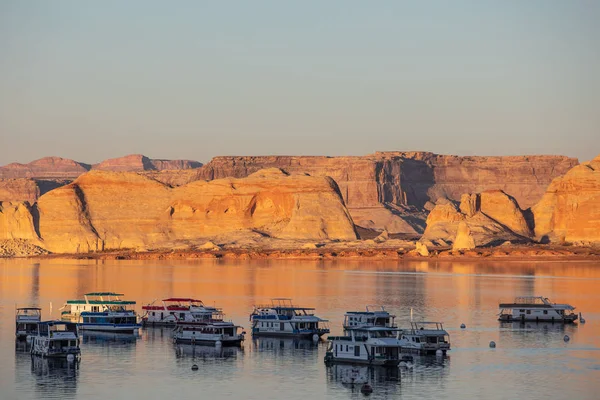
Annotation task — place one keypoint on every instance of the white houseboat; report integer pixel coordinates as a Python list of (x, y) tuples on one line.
[(373, 316), (57, 339), (282, 318), (102, 312), (174, 310), (219, 333), (373, 345), (26, 321), (539, 309), (424, 338)]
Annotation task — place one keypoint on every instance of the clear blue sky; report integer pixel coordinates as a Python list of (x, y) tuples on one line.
[(193, 79)]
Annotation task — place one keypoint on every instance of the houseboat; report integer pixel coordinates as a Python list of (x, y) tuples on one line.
[(26, 320), (174, 310), (117, 321), (57, 339), (282, 318), (102, 312), (215, 331), (424, 338), (539, 309), (373, 316), (372, 345)]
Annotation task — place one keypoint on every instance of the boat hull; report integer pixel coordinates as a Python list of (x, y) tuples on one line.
[(331, 359), (129, 328), (289, 334), (209, 342), (567, 319)]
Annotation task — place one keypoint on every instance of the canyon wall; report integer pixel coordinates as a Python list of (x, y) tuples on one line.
[(389, 190), (123, 210), (569, 211)]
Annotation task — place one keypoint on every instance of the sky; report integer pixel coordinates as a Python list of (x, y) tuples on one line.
[(197, 79)]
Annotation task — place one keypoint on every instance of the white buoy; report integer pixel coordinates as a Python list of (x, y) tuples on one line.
[(492, 344), (581, 319), (462, 326), (439, 353), (566, 338), (195, 367), (315, 338), (70, 358)]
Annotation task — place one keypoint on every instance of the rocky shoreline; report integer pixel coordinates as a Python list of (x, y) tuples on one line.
[(509, 253)]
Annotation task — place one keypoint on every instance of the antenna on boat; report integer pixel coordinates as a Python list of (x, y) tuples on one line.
[(50, 309), (411, 314)]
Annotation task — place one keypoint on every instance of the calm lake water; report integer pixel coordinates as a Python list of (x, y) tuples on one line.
[(529, 362)]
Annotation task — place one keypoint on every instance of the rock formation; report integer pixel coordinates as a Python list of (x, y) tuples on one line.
[(57, 168), (45, 168), (16, 221), (490, 218), (117, 210), (26, 189), (139, 162), (463, 240), (570, 209), (390, 190)]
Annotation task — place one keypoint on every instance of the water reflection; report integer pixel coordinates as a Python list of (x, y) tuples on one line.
[(105, 339), (205, 353), (283, 346), (384, 381), (54, 378), (152, 366)]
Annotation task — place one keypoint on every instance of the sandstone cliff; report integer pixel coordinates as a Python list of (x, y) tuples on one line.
[(109, 210), (570, 209), (488, 218), (139, 162), (26, 189), (389, 190), (17, 221), (45, 168), (57, 168)]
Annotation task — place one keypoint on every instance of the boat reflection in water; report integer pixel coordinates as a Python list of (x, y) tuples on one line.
[(206, 352), (383, 381), (104, 338), (283, 345), (536, 334), (55, 378)]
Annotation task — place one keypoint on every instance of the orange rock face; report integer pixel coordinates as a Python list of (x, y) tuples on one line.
[(45, 168), (139, 162), (107, 210), (374, 184), (486, 218), (570, 209)]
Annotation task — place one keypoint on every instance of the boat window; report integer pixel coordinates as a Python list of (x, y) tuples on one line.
[(357, 351), (522, 311), (346, 347), (281, 326), (417, 340), (153, 313), (545, 311), (528, 311)]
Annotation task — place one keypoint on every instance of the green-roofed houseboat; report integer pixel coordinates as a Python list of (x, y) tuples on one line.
[(103, 312)]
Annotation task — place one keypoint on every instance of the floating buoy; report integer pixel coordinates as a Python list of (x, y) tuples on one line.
[(70, 358), (581, 319), (462, 326), (366, 389), (315, 337), (439, 353), (566, 338), (195, 367), (492, 344)]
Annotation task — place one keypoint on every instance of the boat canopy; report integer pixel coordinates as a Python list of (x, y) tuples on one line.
[(174, 299), (29, 308), (104, 294)]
